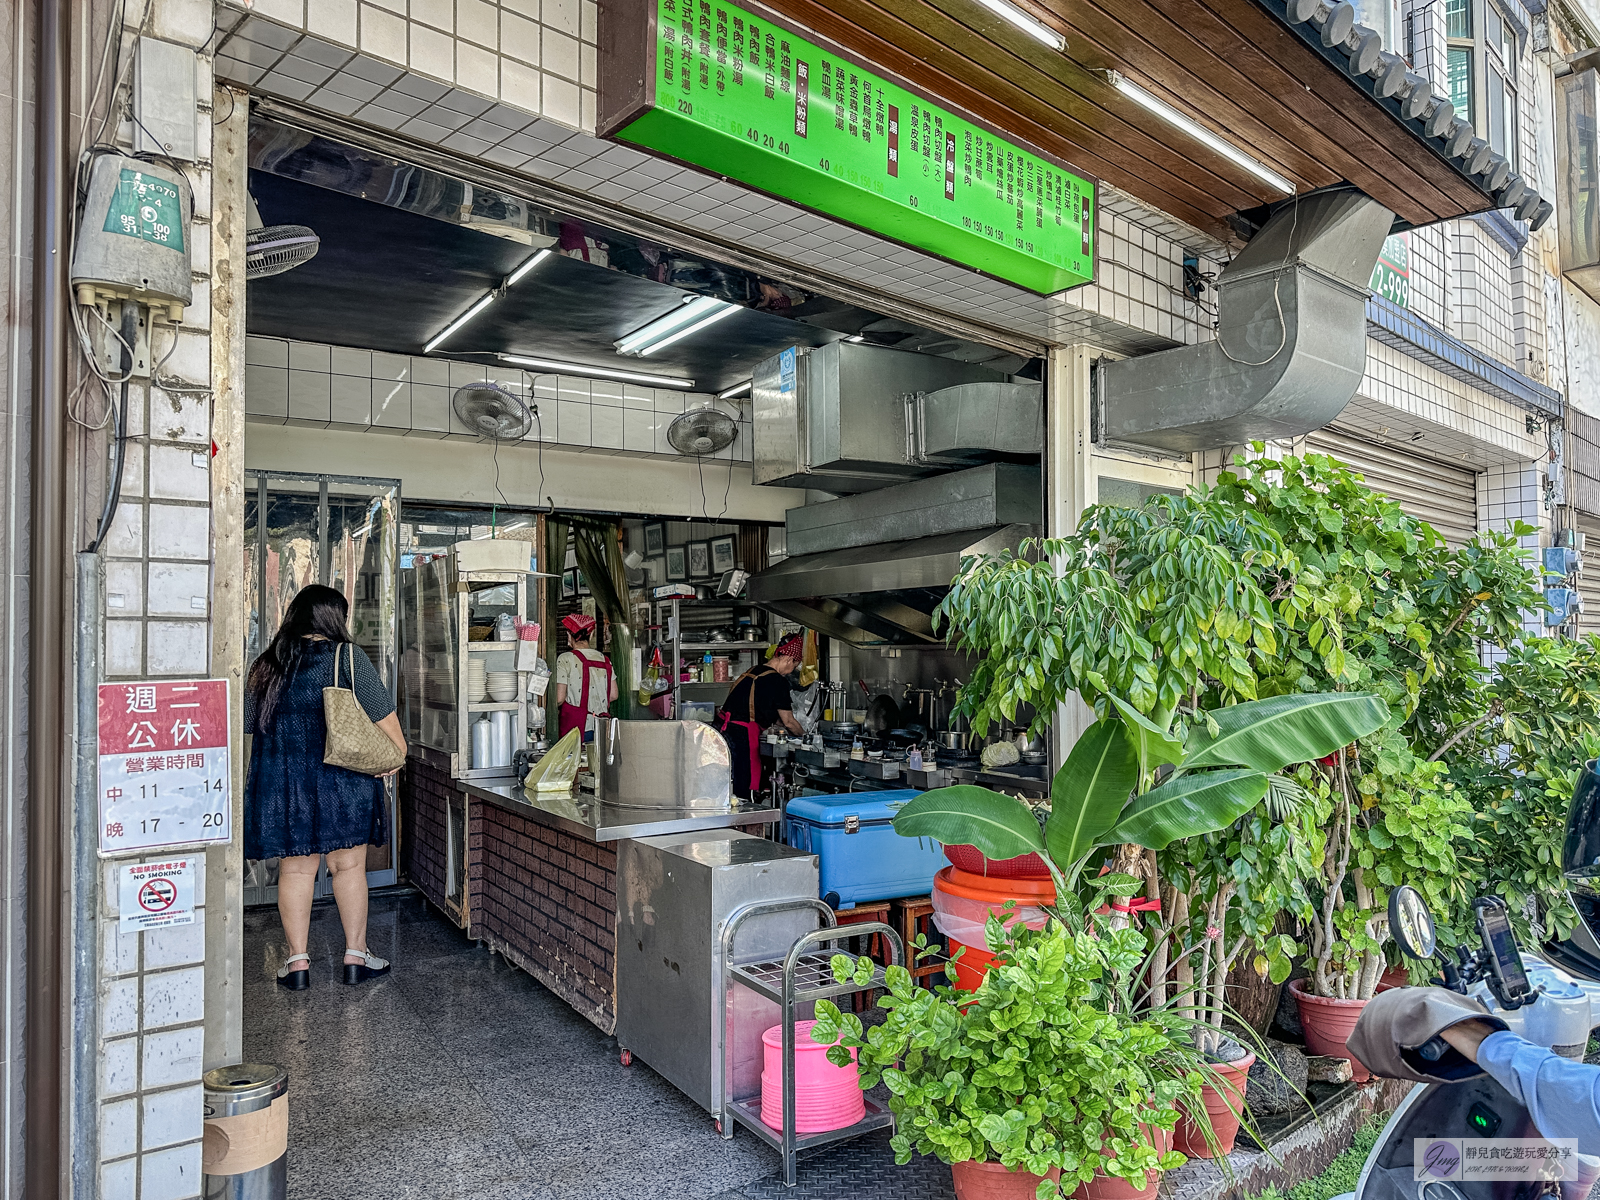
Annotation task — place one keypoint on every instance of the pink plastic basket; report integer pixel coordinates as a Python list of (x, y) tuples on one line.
[(825, 1096)]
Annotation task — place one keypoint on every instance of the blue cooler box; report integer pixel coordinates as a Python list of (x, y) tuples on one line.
[(861, 856)]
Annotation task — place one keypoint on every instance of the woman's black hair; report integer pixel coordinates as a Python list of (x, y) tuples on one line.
[(314, 610)]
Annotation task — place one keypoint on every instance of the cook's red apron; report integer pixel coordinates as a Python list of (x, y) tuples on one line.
[(752, 731), (576, 716)]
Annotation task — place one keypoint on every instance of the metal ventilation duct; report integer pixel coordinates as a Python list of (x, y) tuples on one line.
[(979, 422), (1291, 344)]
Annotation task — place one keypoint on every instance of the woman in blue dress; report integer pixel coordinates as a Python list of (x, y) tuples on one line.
[(296, 807)]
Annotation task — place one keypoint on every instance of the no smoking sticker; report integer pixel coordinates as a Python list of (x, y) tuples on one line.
[(155, 895)]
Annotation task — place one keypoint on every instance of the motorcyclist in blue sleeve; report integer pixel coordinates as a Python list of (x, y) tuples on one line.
[(1561, 1095)]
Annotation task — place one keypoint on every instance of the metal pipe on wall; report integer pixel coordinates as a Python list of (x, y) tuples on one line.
[(85, 1097), (47, 609)]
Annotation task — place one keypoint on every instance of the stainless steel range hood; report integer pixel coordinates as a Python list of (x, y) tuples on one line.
[(878, 595)]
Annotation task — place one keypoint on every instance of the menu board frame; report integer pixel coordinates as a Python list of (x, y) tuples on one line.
[(630, 69)]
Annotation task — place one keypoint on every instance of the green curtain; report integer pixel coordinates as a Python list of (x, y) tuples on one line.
[(598, 547)]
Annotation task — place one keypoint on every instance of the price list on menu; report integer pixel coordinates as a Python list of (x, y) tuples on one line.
[(740, 96)]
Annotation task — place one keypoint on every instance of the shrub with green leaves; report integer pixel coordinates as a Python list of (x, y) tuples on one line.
[(1046, 1065)]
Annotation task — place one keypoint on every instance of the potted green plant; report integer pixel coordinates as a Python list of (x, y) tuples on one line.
[(1046, 1080)]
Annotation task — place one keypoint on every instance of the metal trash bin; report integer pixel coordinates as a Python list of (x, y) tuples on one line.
[(245, 1155)]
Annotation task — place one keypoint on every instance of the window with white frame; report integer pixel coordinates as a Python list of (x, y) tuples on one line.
[(1481, 71)]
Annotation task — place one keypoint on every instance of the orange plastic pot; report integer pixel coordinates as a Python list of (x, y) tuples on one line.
[(1111, 1187), (992, 893), (1328, 1024), (993, 1181), (1223, 1108)]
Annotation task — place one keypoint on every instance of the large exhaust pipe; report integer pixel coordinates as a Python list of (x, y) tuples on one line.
[(1291, 344)]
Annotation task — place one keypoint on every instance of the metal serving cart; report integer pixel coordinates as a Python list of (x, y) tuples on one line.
[(800, 978)]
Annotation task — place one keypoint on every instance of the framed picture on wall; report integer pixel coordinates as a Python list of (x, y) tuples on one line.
[(677, 564), (722, 554), (583, 588), (699, 559), (569, 584), (655, 540)]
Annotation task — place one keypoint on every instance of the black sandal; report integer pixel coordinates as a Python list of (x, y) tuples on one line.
[(295, 981), (370, 968)]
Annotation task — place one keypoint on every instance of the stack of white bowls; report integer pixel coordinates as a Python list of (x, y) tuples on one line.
[(502, 685), (477, 682)]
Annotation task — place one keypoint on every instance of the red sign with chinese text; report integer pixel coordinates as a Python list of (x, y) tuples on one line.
[(165, 778)]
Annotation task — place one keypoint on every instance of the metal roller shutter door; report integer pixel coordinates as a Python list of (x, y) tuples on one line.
[(1444, 496), (1589, 581)]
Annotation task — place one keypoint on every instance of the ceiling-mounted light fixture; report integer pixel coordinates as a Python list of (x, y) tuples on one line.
[(737, 390), (1029, 25), (855, 338), (693, 315), (1199, 132), (571, 368), (488, 299)]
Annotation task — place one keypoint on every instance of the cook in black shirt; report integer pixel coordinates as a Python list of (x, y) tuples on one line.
[(758, 700)]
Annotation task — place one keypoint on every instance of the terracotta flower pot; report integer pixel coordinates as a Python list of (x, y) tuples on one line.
[(1395, 977), (1222, 1107), (1110, 1187), (1328, 1024), (994, 1181)]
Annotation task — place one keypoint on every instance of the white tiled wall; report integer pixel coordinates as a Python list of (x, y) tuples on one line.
[(152, 1012), (1458, 422), (1481, 282), (337, 387)]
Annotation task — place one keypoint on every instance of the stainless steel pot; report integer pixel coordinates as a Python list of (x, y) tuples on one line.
[(953, 741)]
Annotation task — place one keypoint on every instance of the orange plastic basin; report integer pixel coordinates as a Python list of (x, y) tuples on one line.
[(992, 892)]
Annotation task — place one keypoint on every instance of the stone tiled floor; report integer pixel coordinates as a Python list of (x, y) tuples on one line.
[(459, 1076)]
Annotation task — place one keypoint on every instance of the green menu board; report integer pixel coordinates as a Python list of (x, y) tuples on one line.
[(738, 95)]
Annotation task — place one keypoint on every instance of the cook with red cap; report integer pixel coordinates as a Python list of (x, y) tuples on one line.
[(759, 700), (585, 682)]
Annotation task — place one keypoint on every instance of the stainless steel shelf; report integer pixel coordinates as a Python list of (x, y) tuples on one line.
[(703, 646), (748, 1114), (813, 978)]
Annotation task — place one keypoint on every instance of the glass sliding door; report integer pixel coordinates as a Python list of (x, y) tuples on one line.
[(340, 531)]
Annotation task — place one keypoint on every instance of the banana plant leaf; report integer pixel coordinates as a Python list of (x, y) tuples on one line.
[(966, 815), (1156, 746), (1090, 790), (1187, 806), (1268, 735)]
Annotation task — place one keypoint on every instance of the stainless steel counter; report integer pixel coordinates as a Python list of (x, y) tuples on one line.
[(596, 821)]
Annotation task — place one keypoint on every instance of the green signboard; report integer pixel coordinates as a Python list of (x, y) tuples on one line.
[(1391, 276), (738, 95), (146, 207)]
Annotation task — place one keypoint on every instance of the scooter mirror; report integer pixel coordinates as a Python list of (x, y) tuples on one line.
[(1411, 922)]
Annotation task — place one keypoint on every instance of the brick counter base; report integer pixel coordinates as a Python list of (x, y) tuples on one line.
[(547, 901), (424, 796)]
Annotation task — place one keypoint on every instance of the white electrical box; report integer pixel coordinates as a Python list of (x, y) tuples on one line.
[(134, 240)]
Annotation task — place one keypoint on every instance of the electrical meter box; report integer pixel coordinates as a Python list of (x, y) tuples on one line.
[(133, 243)]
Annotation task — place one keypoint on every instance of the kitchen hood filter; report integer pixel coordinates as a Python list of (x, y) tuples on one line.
[(492, 411), (702, 431)]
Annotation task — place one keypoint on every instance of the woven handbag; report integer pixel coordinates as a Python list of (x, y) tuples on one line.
[(354, 742)]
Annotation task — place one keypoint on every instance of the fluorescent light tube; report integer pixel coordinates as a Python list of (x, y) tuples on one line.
[(738, 389), (487, 300), (727, 310), (550, 364), (459, 322), (1199, 132), (1029, 25), (680, 321), (525, 268)]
